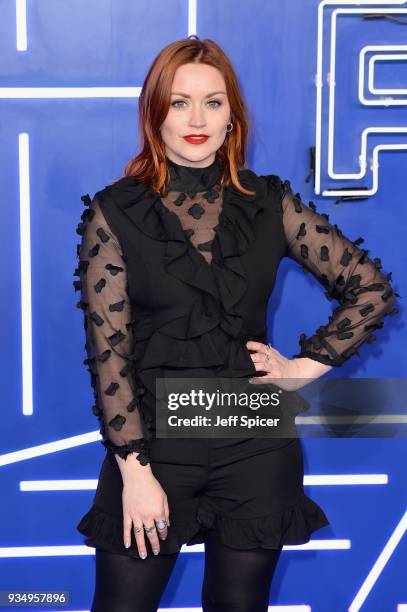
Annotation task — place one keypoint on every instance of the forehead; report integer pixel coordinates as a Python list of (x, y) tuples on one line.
[(198, 78)]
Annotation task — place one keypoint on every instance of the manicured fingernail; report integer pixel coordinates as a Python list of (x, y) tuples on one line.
[(143, 555), (127, 544), (156, 551)]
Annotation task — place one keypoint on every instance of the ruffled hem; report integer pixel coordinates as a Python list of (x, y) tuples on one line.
[(105, 531), (292, 526)]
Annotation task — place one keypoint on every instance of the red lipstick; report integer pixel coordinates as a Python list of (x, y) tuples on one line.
[(196, 138)]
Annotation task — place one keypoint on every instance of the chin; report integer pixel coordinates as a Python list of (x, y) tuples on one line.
[(196, 152)]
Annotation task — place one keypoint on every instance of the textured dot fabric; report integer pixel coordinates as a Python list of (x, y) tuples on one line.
[(174, 284), (194, 196), (107, 321), (347, 273), (199, 217)]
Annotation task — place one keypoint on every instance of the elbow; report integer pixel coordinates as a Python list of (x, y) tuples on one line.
[(386, 307)]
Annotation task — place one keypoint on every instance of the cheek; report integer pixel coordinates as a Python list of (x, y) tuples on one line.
[(222, 121), (170, 124), (220, 129)]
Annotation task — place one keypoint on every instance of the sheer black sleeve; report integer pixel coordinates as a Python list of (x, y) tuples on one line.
[(364, 293), (107, 321)]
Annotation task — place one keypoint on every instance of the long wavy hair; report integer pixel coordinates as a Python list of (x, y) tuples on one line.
[(154, 102)]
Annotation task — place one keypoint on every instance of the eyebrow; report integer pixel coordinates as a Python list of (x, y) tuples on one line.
[(184, 95)]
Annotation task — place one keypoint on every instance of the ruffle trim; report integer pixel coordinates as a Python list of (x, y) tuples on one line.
[(140, 446), (209, 334), (190, 180), (292, 526), (222, 282), (105, 531)]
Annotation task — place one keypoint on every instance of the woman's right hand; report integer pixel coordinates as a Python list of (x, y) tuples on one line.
[(144, 502)]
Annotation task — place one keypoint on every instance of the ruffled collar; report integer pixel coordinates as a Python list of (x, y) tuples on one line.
[(223, 281), (190, 179)]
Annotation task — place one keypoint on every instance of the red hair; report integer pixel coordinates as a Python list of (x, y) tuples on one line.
[(154, 102)]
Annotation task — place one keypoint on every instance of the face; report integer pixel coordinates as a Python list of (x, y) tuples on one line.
[(199, 105)]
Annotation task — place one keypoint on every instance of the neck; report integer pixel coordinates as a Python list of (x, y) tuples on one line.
[(192, 179)]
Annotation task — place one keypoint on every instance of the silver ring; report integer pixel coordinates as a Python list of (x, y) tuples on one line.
[(161, 524), (137, 529), (267, 354), (149, 529)]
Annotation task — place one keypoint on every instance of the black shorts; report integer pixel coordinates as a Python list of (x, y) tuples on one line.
[(250, 491)]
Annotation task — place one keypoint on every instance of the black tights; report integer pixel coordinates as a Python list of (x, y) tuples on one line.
[(234, 580), (237, 580)]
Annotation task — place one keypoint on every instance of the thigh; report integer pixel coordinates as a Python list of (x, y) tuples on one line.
[(128, 584), (103, 524), (237, 580)]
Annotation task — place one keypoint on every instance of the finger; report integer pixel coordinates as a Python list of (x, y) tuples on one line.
[(140, 541), (262, 366), (127, 523), (163, 517), (257, 357), (167, 511), (273, 352), (162, 533), (270, 369), (152, 535), (254, 346)]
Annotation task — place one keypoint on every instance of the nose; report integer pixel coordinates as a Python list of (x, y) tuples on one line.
[(197, 117)]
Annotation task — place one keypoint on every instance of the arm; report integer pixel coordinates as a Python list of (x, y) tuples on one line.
[(107, 321), (364, 294)]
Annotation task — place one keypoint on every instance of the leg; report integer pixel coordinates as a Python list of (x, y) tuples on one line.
[(126, 584), (237, 580)]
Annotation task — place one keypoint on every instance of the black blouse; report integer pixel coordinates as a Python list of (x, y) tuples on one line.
[(194, 194)]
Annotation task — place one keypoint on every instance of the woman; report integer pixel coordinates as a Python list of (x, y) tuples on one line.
[(177, 262)]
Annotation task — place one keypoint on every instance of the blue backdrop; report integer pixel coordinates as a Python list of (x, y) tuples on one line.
[(320, 75)]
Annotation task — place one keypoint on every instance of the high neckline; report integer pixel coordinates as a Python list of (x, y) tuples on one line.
[(191, 179)]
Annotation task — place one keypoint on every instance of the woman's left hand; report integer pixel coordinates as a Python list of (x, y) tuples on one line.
[(289, 374), (283, 371)]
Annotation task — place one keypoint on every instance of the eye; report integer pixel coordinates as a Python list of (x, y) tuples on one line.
[(217, 102), (177, 103)]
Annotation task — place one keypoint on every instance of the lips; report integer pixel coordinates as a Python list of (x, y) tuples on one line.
[(196, 139)]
